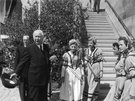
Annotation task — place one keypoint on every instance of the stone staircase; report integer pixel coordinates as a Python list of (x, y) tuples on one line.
[(100, 26)]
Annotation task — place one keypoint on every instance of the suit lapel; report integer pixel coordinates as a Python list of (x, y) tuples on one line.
[(46, 52), (38, 50)]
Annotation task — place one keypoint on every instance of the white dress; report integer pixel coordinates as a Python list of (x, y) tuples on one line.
[(72, 88)]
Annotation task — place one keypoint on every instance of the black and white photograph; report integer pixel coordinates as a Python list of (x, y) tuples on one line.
[(67, 50)]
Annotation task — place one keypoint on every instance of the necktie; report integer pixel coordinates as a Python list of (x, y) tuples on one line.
[(41, 47)]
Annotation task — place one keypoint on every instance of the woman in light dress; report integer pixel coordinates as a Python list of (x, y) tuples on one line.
[(110, 95), (72, 75), (129, 86), (93, 70)]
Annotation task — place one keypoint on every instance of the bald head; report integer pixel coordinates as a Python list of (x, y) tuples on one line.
[(25, 40), (38, 36), (25, 37)]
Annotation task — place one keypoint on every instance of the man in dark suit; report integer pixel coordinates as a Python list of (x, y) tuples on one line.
[(23, 85), (37, 54)]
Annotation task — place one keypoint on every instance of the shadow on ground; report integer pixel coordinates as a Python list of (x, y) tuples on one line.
[(104, 89)]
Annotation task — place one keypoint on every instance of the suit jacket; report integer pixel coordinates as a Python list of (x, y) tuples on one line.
[(39, 64), (23, 72)]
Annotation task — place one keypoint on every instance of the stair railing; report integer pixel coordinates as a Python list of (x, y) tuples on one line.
[(120, 20)]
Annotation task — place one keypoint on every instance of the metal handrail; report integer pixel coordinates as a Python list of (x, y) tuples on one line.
[(120, 20)]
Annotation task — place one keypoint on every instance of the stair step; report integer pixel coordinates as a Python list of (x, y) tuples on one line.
[(109, 59), (97, 22), (95, 15), (109, 72), (102, 34), (109, 64), (98, 28), (104, 45), (106, 49), (93, 26), (105, 37), (109, 75), (108, 79), (96, 19), (98, 15), (109, 69), (100, 31), (107, 41), (103, 13), (97, 32), (108, 54), (101, 24)]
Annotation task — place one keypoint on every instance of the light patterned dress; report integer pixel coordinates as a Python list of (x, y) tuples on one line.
[(91, 87), (116, 90), (129, 87), (120, 77), (72, 87)]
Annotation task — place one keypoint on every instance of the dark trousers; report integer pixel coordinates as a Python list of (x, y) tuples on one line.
[(37, 93), (23, 90), (97, 5)]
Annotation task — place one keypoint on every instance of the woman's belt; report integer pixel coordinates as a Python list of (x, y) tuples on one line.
[(97, 61), (120, 75), (130, 77)]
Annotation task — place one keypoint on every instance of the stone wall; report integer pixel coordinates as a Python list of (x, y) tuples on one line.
[(126, 10)]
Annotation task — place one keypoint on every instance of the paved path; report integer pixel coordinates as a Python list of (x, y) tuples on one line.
[(8, 94)]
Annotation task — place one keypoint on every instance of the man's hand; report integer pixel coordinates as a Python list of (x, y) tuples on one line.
[(53, 58)]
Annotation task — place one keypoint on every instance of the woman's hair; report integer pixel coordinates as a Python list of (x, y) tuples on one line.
[(126, 41), (115, 44), (93, 39), (73, 41)]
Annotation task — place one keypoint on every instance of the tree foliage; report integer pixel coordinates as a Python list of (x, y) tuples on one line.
[(60, 19)]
